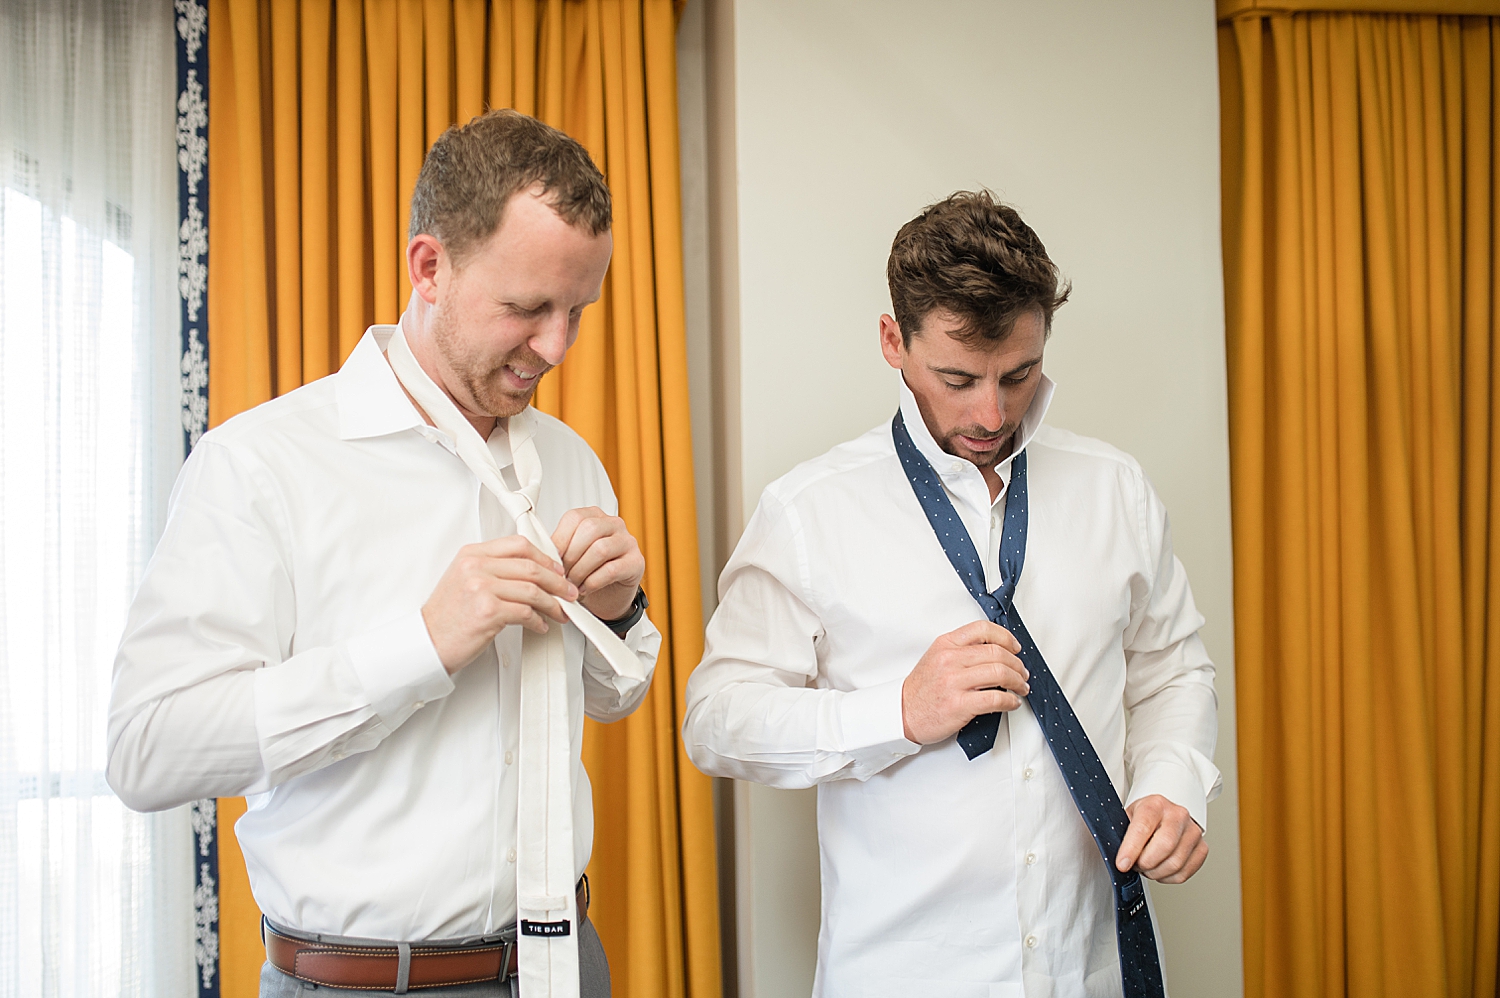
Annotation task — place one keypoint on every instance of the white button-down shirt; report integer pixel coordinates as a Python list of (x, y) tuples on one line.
[(276, 649), (944, 876)]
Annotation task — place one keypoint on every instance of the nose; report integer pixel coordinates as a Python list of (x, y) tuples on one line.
[(551, 341), (989, 408)]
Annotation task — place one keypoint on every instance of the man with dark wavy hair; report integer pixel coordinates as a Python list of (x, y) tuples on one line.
[(968, 630)]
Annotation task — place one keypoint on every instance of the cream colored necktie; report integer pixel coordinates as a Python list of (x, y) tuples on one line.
[(545, 905)]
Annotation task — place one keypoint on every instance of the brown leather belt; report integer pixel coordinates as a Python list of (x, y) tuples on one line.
[(379, 967)]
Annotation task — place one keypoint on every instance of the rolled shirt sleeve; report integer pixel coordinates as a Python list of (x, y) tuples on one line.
[(753, 712), (398, 668), (1169, 683), (609, 696), (208, 698)]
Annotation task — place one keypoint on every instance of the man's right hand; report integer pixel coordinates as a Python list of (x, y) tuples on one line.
[(956, 681), (488, 587)]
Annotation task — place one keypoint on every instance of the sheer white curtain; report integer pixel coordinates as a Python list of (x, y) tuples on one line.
[(94, 900)]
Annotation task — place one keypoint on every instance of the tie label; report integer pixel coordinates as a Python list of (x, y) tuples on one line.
[(551, 929)]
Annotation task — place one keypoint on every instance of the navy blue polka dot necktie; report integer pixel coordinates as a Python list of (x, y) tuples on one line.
[(1082, 769)]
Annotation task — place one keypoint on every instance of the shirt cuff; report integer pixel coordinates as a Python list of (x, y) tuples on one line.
[(644, 642), (871, 718), (1178, 784), (398, 667)]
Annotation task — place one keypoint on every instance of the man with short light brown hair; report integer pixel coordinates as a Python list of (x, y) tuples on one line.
[(384, 602), (472, 172), (967, 629)]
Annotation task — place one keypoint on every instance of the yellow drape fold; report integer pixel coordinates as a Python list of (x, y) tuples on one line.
[(1360, 225), (1235, 8), (320, 113)]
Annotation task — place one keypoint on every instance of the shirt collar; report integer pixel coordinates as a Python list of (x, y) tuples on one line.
[(372, 404), (947, 464)]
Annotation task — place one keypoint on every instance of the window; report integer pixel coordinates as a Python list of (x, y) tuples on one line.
[(68, 468), (95, 901)]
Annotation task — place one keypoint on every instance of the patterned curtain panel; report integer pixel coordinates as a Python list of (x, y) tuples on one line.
[(192, 287), (192, 200)]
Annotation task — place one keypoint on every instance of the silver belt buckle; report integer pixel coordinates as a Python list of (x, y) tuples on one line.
[(505, 955)]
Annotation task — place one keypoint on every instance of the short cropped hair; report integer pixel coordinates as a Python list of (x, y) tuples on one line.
[(472, 171), (973, 257)]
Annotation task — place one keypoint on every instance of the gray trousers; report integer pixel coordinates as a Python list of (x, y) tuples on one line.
[(593, 978)]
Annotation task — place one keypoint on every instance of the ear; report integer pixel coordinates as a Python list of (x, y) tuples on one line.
[(891, 345), (425, 260)]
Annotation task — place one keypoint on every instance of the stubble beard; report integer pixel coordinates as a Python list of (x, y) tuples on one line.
[(477, 379), (952, 445)]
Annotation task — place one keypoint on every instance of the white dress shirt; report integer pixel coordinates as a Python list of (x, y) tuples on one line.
[(276, 649), (944, 877)]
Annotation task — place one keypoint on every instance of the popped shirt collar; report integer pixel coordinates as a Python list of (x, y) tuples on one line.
[(949, 466), (372, 404)]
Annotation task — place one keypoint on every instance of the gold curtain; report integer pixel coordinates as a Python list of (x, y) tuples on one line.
[(1236, 8), (1360, 166), (320, 114)]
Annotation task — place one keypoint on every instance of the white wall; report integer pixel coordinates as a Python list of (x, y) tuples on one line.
[(829, 124)]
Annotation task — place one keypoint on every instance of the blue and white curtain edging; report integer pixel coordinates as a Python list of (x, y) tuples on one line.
[(192, 207), (192, 286)]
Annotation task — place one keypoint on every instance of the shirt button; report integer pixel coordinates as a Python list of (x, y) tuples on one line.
[(510, 857), (419, 705), (1031, 942), (1028, 773), (338, 755), (509, 756), (1031, 859)]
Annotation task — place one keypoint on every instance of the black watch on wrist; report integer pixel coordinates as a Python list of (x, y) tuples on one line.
[(622, 625)]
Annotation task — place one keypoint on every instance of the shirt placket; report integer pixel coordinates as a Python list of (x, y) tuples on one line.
[(507, 700), (495, 523), (1017, 742), (1021, 744), (1031, 841), (1027, 783)]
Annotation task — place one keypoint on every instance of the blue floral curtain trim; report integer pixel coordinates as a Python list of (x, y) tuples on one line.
[(192, 287), (192, 210), (204, 814)]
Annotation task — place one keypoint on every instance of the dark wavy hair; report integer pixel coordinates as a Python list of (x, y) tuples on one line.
[(472, 171), (973, 257)]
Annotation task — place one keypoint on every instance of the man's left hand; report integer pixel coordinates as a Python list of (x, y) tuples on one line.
[(601, 558), (1163, 841)]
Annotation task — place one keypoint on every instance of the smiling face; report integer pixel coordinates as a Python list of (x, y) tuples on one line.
[(509, 311), (972, 393)]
